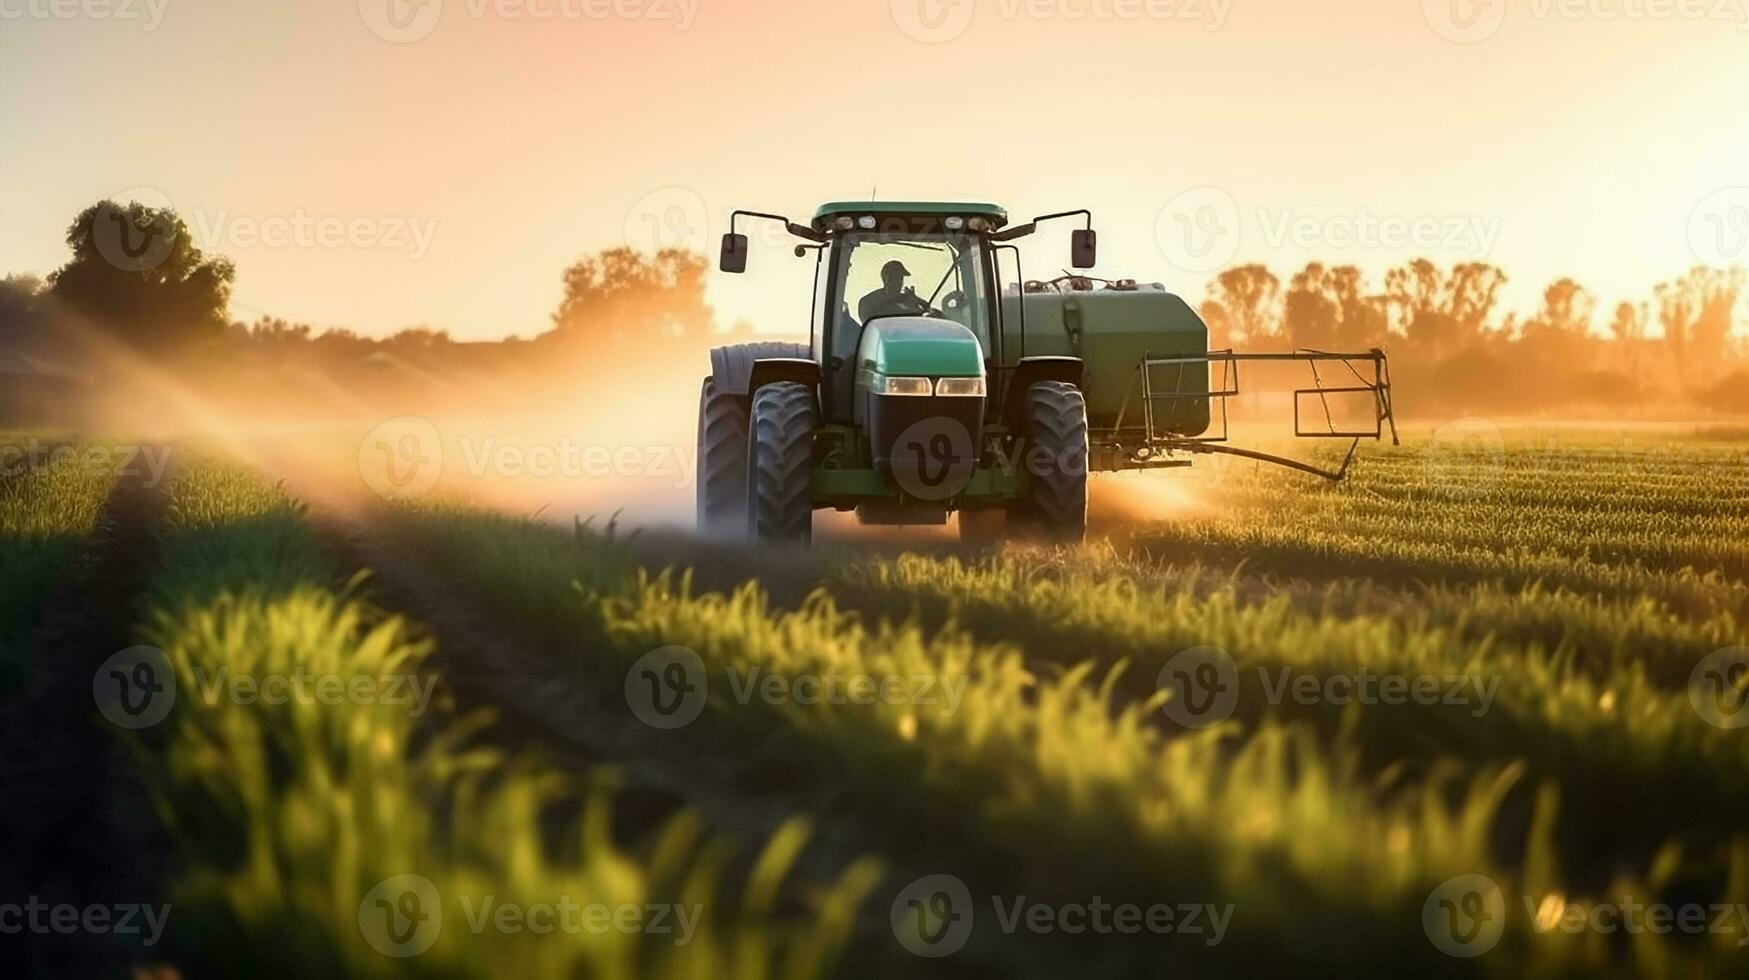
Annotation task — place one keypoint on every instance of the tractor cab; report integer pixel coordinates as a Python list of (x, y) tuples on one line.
[(884, 263)]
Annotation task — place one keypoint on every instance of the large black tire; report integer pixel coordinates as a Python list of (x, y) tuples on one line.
[(780, 503), (722, 461), (1055, 507)]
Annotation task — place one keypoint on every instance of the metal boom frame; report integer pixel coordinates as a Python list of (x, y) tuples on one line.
[(1157, 443)]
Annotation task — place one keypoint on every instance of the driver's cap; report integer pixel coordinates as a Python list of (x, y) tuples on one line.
[(894, 266)]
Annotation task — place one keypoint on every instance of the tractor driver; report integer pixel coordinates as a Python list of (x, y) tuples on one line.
[(894, 298)]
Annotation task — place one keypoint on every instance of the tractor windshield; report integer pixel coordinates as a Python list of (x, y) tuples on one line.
[(916, 275)]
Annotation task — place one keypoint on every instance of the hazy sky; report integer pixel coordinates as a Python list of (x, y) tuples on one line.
[(375, 164)]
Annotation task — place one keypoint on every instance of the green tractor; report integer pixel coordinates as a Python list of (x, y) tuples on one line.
[(929, 388)]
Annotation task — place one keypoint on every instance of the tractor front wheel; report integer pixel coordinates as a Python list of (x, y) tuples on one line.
[(780, 505), (722, 461), (1056, 462)]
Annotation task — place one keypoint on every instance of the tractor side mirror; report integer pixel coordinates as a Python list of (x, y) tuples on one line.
[(734, 257), (1084, 248)]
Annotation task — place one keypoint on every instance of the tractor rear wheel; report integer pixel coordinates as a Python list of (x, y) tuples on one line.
[(780, 504), (1056, 462), (722, 461)]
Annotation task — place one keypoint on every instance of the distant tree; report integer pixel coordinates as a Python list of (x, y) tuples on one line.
[(1328, 308), (1310, 316), (1560, 330), (419, 338), (137, 274), (1628, 326), (1628, 329), (22, 311), (1244, 305), (1697, 313), (621, 297), (1441, 314)]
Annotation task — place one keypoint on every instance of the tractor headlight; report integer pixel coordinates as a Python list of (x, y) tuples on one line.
[(960, 387), (845, 223), (954, 223), (904, 386), (866, 222)]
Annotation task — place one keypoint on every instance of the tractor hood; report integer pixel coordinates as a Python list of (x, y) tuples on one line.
[(917, 345)]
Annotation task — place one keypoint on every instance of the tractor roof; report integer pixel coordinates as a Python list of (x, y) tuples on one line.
[(927, 209)]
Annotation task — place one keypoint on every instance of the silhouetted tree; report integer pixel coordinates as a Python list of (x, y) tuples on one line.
[(136, 273), (1328, 308), (1244, 305), (1441, 314), (622, 296), (1696, 313)]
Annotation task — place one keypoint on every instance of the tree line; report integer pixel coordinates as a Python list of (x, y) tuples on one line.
[(1452, 347), (136, 280)]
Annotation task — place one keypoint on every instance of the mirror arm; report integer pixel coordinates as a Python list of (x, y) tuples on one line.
[(1021, 231), (800, 231), (1083, 212)]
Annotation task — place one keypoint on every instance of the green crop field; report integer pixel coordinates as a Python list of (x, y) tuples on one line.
[(1474, 711)]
